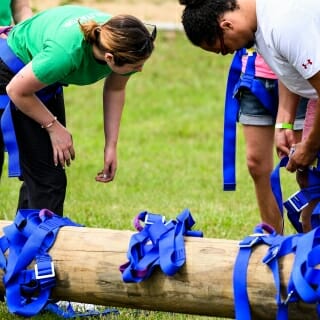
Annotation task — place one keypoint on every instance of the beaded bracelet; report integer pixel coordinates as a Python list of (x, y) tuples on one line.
[(50, 124), (283, 125)]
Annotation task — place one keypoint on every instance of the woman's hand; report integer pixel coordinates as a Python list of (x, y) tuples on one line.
[(284, 139), (108, 173), (62, 144), (300, 157)]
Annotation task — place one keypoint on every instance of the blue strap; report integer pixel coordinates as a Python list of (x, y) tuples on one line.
[(29, 238), (236, 81), (4, 100), (9, 58), (10, 140), (241, 299), (230, 122), (157, 244), (7, 127), (305, 276), (299, 200), (275, 183)]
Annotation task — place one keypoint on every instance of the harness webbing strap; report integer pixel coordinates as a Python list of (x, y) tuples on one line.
[(29, 239), (231, 111), (237, 81), (157, 244), (304, 280), (241, 298), (299, 200), (7, 126)]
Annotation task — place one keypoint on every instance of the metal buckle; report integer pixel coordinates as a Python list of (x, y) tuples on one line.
[(256, 238), (149, 220), (272, 253), (286, 301), (293, 200), (50, 275)]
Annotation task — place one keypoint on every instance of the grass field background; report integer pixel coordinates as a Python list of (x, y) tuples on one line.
[(169, 153)]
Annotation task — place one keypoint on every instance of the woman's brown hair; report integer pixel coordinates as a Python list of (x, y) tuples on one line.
[(125, 36)]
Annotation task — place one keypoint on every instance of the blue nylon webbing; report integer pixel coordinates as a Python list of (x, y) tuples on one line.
[(230, 121), (236, 81), (7, 127), (157, 244), (300, 199), (29, 238)]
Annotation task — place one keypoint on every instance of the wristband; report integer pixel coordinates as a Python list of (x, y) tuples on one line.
[(50, 124), (283, 125)]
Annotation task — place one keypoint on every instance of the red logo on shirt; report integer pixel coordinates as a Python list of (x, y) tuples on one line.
[(305, 65)]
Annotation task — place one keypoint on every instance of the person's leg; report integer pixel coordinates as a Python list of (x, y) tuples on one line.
[(258, 128), (44, 184), (259, 152)]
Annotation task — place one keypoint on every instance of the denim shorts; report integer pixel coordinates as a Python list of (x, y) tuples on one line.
[(252, 112)]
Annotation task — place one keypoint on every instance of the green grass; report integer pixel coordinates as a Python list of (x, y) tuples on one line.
[(169, 153)]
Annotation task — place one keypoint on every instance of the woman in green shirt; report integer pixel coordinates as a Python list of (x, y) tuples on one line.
[(63, 46)]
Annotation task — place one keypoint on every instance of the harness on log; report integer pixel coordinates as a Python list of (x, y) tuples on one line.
[(236, 82), (29, 238), (157, 244), (304, 281)]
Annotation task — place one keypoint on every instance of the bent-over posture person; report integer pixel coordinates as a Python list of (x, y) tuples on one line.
[(275, 29), (63, 46), (11, 12)]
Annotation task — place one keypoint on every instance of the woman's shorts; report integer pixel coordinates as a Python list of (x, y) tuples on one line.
[(252, 112)]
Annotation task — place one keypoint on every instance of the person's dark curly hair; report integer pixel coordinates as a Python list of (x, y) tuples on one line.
[(200, 19)]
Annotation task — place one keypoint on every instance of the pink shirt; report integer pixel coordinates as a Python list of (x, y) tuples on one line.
[(262, 69)]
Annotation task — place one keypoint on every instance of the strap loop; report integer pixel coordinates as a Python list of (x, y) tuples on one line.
[(157, 244)]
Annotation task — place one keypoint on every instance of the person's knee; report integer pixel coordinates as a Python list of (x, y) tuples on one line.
[(258, 168)]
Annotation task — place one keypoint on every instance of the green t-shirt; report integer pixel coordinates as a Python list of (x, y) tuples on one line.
[(5, 13), (54, 42)]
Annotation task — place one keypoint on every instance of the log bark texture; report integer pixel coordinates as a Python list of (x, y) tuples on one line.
[(87, 264)]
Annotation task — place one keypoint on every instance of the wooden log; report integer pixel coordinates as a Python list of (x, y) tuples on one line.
[(87, 264)]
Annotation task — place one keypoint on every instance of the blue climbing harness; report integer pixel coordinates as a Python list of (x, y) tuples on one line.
[(28, 239), (304, 280), (236, 82), (9, 136), (157, 244)]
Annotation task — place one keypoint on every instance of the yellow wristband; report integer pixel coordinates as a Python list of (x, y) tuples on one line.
[(283, 125)]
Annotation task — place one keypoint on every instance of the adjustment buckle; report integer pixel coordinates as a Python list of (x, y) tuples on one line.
[(50, 274), (251, 240), (297, 202)]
